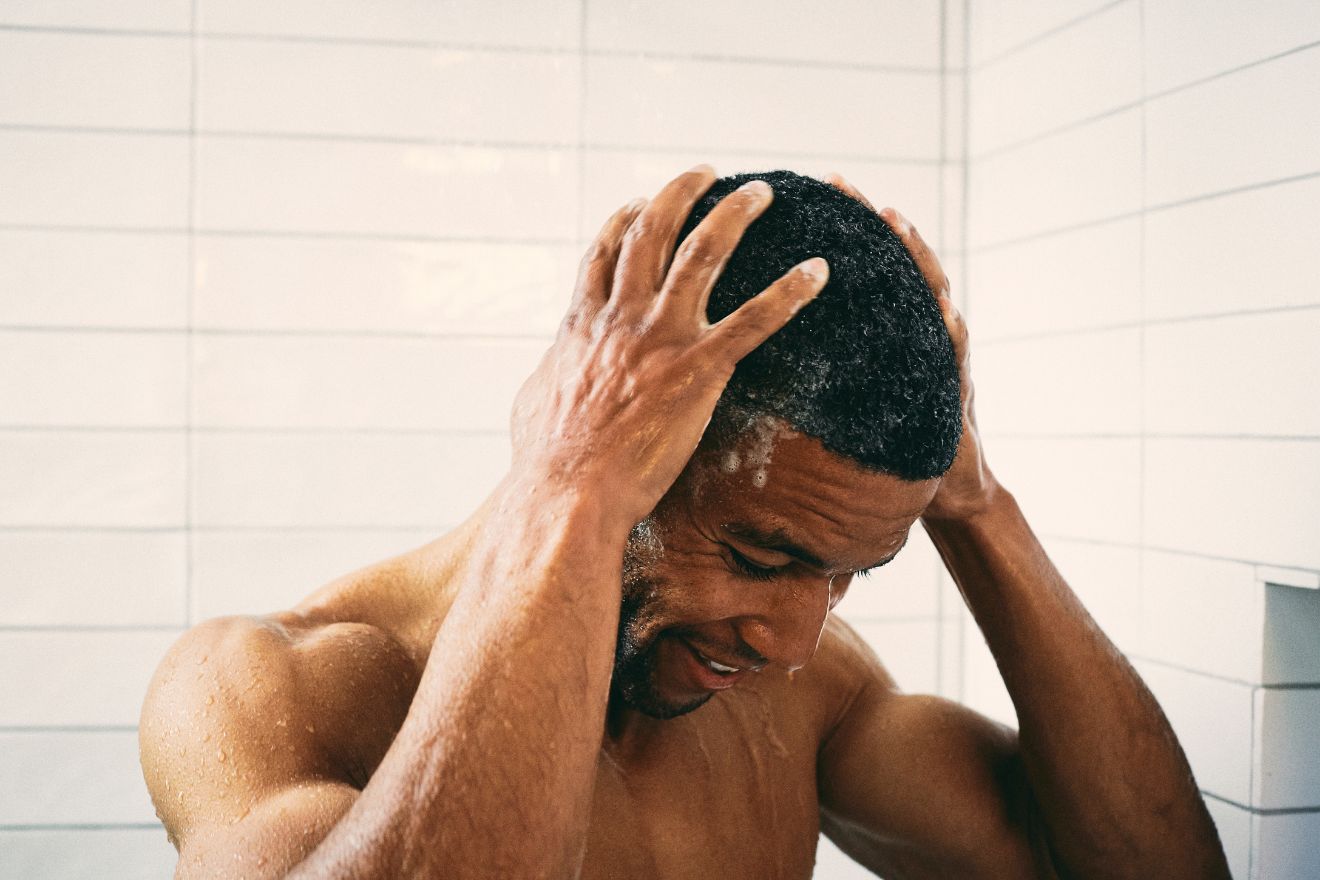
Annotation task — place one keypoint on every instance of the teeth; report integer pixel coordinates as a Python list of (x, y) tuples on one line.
[(720, 667)]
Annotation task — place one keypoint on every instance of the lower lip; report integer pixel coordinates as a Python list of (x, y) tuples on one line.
[(702, 675)]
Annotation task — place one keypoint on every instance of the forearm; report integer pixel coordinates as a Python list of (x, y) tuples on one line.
[(1113, 787), (492, 772)]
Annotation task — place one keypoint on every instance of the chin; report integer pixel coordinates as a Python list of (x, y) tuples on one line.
[(634, 686)]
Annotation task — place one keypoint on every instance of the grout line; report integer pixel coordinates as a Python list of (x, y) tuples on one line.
[(1148, 322), (530, 146), (494, 48), (1042, 36), (1150, 209), (189, 475), (213, 528), (284, 333), (1062, 128), (1154, 548), (583, 79), (1141, 311), (92, 627), (1261, 811), (85, 826), (68, 728)]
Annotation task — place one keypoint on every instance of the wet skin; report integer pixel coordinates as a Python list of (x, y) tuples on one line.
[(449, 712)]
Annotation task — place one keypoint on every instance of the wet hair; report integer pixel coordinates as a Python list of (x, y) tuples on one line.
[(866, 367)]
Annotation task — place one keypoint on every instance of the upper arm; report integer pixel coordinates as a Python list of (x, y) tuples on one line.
[(920, 786), (241, 776)]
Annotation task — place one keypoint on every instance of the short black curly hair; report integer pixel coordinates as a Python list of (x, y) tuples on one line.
[(866, 367)]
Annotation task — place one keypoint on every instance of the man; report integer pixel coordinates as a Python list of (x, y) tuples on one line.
[(604, 672)]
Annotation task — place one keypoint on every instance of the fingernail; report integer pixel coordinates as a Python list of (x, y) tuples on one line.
[(757, 188), (635, 204), (701, 168), (815, 268)]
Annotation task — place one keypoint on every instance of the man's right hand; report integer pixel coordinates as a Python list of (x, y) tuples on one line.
[(619, 402)]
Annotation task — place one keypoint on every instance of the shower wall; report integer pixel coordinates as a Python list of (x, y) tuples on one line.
[(270, 274), (1142, 216)]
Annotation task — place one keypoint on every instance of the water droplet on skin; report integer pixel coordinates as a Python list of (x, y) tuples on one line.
[(210, 699), (202, 659), (221, 756), (206, 737)]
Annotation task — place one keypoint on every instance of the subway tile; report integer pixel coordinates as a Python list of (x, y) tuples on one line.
[(1108, 582), (77, 279), (1213, 721), (1085, 70), (1288, 721), (497, 23), (983, 687), (74, 777), (167, 15), (384, 189), (613, 177), (1081, 383), (755, 106), (1075, 280), (908, 649), (254, 282), (99, 80), (1234, 253), (406, 384), (1242, 499), (1077, 487), (1238, 374), (77, 678), (1185, 41), (92, 578), (258, 572), (410, 481), (1291, 649), (889, 33), (106, 853), (1203, 614), (954, 29), (1260, 140), (999, 28), (1285, 846), (906, 587), (1084, 174), (950, 664), (80, 179), (374, 90), (1234, 826), (120, 479), (101, 379)]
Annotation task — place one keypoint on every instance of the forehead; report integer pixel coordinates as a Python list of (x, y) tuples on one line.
[(773, 477)]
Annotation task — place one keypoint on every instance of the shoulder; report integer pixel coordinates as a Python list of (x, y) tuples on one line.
[(244, 704)]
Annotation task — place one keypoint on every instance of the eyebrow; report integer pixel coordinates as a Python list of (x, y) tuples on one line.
[(781, 542)]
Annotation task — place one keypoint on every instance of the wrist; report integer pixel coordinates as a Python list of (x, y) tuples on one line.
[(969, 508)]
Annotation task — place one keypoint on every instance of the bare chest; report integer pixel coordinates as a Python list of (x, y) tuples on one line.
[(729, 797)]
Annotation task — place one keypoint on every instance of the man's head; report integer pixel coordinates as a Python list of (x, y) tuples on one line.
[(832, 433)]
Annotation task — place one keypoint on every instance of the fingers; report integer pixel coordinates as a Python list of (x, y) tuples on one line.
[(837, 181), (933, 272), (707, 249), (596, 271), (761, 316), (649, 243)]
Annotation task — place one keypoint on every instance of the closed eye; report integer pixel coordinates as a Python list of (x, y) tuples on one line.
[(751, 569)]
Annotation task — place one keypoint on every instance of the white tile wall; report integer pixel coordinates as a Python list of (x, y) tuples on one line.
[(73, 777), (259, 283), (147, 15), (82, 677), (56, 854), (94, 80), (889, 33), (119, 279), (377, 91), (97, 578), (1193, 128)]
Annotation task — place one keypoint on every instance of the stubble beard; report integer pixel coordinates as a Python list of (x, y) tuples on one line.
[(635, 657)]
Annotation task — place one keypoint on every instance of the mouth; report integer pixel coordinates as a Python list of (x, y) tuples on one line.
[(707, 673)]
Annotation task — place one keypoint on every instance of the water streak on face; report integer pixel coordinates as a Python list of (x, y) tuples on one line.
[(683, 584)]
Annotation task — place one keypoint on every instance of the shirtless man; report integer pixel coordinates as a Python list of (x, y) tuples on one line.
[(604, 671)]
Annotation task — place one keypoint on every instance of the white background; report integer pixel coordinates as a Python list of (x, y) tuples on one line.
[(271, 272)]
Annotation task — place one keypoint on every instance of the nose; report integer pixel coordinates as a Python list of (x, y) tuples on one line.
[(786, 628)]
